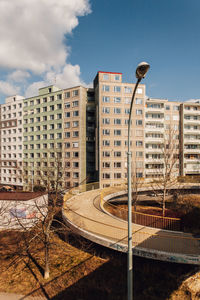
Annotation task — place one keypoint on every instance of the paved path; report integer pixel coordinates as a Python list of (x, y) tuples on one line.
[(84, 215)]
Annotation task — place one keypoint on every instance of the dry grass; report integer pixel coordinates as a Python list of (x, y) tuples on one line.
[(77, 273)]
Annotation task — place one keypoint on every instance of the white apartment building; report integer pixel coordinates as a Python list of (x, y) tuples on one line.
[(12, 141), (190, 137)]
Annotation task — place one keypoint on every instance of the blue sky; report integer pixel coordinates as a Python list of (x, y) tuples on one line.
[(68, 41), (117, 35)]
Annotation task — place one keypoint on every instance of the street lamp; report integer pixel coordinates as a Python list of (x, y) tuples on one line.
[(140, 73)]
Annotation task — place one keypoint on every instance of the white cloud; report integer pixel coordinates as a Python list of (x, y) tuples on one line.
[(69, 76), (8, 89), (18, 76), (33, 37)]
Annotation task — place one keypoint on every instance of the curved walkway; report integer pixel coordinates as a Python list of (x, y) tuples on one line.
[(83, 214)]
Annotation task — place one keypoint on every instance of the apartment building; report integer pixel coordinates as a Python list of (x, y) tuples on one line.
[(190, 138), (78, 135), (162, 120), (79, 142), (11, 144), (43, 138), (113, 98)]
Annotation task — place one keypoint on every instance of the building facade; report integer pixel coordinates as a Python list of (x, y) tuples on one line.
[(12, 141), (78, 135)]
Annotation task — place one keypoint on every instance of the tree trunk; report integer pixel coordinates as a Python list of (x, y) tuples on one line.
[(46, 270)]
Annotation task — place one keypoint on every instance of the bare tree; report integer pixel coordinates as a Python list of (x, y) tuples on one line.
[(46, 220), (166, 169)]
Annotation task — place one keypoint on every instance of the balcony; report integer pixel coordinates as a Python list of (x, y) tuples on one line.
[(153, 151), (191, 112), (154, 129), (191, 121), (192, 151), (155, 109)]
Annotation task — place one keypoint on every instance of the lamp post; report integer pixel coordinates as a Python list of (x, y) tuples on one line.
[(140, 73)]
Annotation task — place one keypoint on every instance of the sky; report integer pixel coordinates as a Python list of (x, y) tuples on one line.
[(66, 42)]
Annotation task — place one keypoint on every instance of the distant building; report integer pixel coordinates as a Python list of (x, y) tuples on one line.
[(79, 135)]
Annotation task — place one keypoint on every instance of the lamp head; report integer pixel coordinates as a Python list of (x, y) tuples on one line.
[(142, 70)]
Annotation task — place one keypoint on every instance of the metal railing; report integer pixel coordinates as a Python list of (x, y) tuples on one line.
[(151, 239)]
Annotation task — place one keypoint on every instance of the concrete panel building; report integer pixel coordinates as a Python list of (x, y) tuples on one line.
[(12, 141)]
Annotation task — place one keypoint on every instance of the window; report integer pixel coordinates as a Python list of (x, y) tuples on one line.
[(59, 116), (139, 91), (75, 145), (105, 77), (37, 119), (106, 153), (117, 99), (106, 110), (139, 154), (117, 132), (117, 175), (51, 136), (167, 107), (67, 105), (67, 154), (117, 110), (106, 88), (106, 143), (75, 103), (74, 93), (31, 103), (127, 111), (51, 98), (44, 127), (106, 99), (117, 89), (106, 164), (138, 122), (75, 164), (106, 131), (59, 96), (67, 134), (139, 143), (67, 124), (75, 123), (59, 135), (75, 113), (75, 154), (138, 111), (117, 78), (75, 133), (67, 95), (117, 121), (44, 137), (67, 145), (106, 121), (117, 164), (167, 117), (75, 175), (138, 101), (67, 114), (51, 126), (128, 89), (117, 143), (127, 100), (44, 118)]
